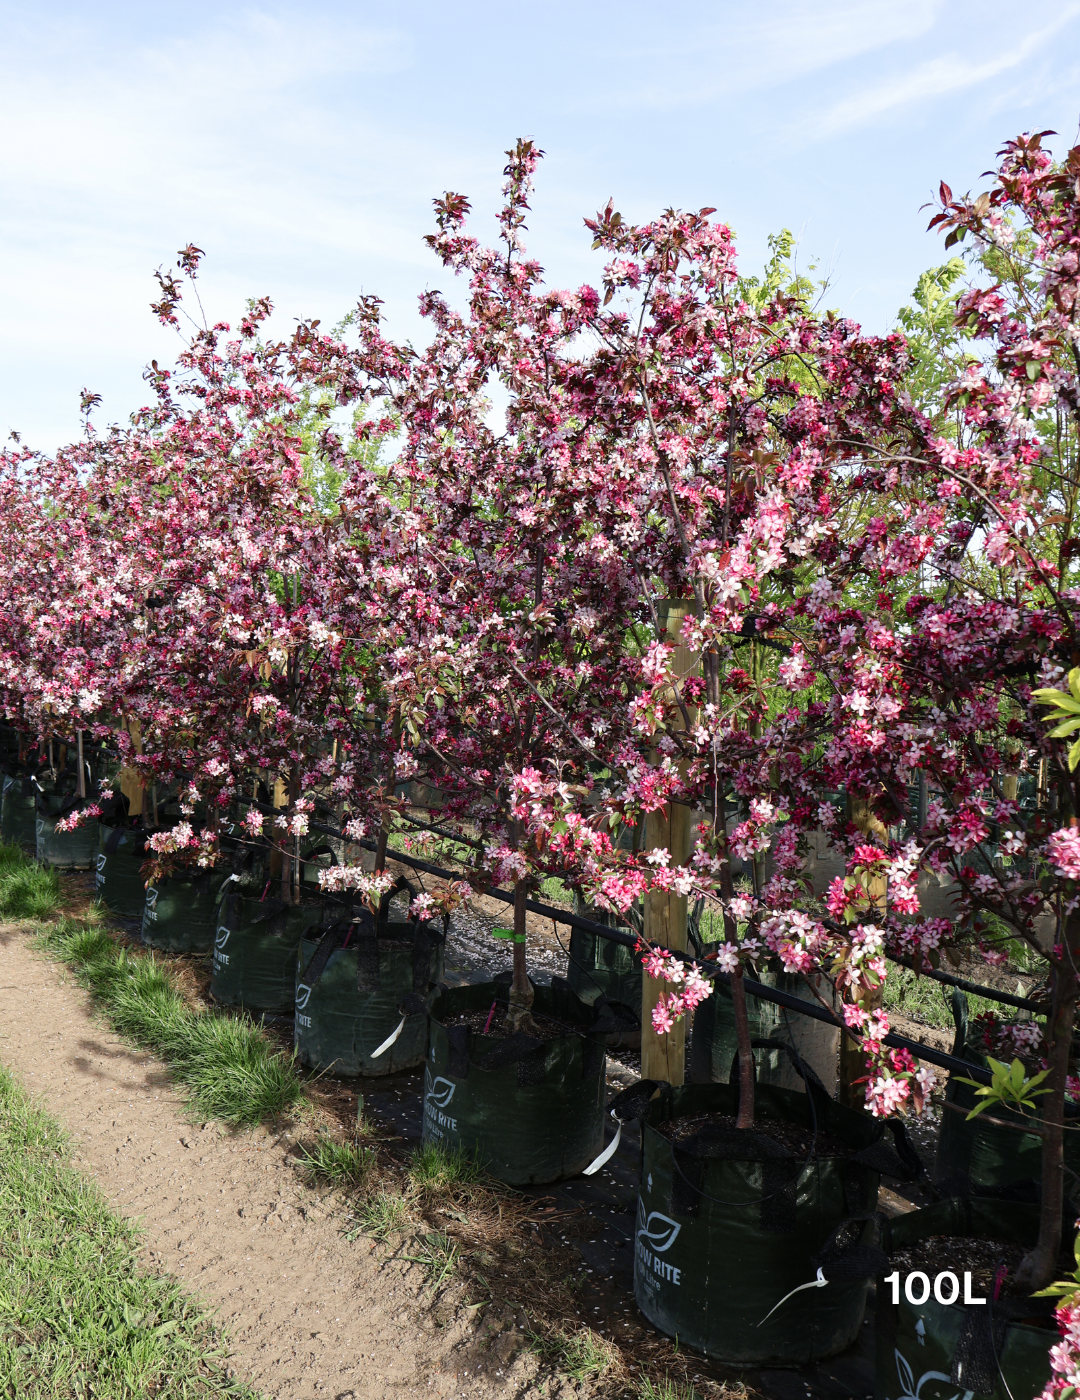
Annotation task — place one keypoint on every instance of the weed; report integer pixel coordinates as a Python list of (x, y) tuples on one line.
[(27, 891), (227, 1065), (439, 1256), (441, 1171), (79, 1316), (381, 1215), (340, 1163), (665, 1389), (581, 1355)]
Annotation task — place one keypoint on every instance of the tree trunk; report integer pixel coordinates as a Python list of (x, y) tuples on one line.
[(81, 787), (1039, 1266), (519, 1017), (745, 1118), (380, 847), (664, 1056)]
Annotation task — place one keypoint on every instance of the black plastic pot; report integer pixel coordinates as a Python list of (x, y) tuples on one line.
[(119, 880), (713, 1047), (729, 1224), (180, 915), (255, 950), (937, 1351), (529, 1111), (64, 850), (349, 989), (18, 810)]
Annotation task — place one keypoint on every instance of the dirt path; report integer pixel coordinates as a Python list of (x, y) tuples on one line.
[(311, 1316)]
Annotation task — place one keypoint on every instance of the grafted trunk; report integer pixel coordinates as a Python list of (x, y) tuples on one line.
[(521, 989)]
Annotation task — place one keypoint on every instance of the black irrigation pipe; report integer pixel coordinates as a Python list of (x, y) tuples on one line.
[(756, 989)]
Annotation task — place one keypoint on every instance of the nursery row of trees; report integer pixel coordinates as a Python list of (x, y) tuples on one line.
[(631, 581)]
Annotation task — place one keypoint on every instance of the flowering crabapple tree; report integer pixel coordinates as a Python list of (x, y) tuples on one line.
[(510, 659), (954, 667), (730, 422), (215, 592)]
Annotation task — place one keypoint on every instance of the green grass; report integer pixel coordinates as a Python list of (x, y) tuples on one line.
[(27, 890), (581, 1355), (381, 1215), (440, 1171), (10, 856), (78, 1318), (665, 1389), (339, 1163), (929, 1001), (227, 1065)]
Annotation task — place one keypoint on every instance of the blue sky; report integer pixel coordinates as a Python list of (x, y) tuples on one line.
[(301, 148)]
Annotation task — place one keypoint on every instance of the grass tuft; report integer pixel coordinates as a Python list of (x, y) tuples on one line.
[(27, 890), (665, 1389), (340, 1163), (227, 1065), (441, 1171), (79, 1318), (381, 1215), (582, 1355)]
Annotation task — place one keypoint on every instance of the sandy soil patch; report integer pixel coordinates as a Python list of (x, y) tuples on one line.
[(311, 1316)]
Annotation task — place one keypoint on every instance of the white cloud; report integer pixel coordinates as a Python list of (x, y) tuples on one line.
[(928, 82)]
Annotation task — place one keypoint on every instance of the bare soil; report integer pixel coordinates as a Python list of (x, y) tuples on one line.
[(310, 1315), (792, 1136), (990, 1262)]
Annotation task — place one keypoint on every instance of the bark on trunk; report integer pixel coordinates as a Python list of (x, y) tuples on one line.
[(745, 1117), (521, 989), (380, 849), (1039, 1267)]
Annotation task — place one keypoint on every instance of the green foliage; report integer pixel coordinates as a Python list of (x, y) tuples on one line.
[(1065, 1288), (340, 1163), (1011, 1087), (227, 1065), (27, 890), (935, 341), (78, 1318), (1065, 712)]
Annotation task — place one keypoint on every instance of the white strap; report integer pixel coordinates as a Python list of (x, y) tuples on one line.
[(608, 1152), (389, 1040), (818, 1282)]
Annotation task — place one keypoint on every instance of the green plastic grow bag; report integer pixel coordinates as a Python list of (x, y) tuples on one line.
[(65, 850), (180, 916), (713, 1045), (529, 1111), (979, 1152), (118, 879), (255, 949), (941, 1351), (338, 1024), (720, 1241), (18, 811), (597, 967)]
